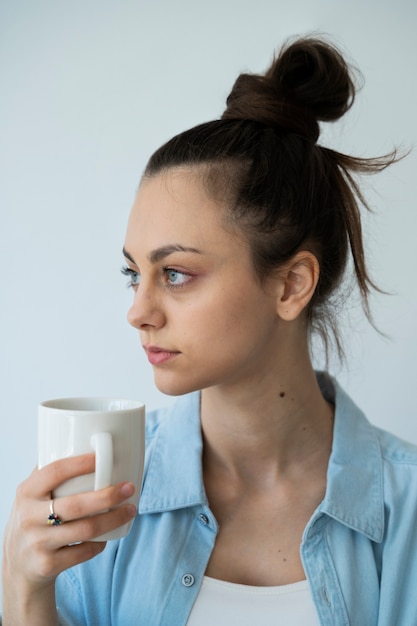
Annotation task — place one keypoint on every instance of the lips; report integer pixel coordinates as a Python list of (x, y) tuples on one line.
[(157, 355)]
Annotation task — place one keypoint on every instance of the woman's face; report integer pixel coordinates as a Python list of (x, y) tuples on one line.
[(203, 317)]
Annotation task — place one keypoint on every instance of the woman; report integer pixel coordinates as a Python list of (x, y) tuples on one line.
[(267, 496)]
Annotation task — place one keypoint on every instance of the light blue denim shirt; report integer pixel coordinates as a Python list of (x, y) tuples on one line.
[(359, 549)]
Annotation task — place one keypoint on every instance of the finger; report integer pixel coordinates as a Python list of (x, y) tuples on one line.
[(43, 481), (85, 529), (72, 555), (81, 505)]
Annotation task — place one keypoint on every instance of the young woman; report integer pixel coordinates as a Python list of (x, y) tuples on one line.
[(268, 497)]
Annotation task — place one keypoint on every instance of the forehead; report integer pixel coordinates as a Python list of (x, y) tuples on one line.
[(174, 206)]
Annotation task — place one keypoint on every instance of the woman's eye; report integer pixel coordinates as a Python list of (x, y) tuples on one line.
[(175, 278), (134, 277)]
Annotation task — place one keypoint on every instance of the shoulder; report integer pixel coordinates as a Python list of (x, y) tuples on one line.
[(394, 450), (399, 467), (355, 434)]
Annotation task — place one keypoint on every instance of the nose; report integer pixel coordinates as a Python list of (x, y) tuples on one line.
[(145, 311)]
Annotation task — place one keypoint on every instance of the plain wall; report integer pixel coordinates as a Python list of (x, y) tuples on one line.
[(88, 90)]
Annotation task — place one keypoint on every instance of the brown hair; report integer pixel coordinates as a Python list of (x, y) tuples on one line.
[(282, 189)]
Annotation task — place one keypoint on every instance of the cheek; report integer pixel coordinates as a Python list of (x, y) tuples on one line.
[(222, 326), (223, 317)]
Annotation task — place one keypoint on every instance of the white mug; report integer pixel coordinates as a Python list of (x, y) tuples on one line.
[(112, 428)]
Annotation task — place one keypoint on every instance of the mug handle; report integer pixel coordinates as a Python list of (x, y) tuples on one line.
[(102, 443)]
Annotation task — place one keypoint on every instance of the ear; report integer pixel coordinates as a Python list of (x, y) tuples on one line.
[(299, 280)]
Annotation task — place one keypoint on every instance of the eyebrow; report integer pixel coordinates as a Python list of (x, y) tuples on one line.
[(164, 251)]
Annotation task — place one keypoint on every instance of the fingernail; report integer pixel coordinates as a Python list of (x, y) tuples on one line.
[(127, 490)]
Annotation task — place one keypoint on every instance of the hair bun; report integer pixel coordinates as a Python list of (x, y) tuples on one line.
[(309, 81)]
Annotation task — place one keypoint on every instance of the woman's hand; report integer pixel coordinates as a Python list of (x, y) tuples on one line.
[(35, 553)]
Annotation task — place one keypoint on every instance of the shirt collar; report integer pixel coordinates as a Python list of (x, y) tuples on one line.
[(173, 473), (354, 494)]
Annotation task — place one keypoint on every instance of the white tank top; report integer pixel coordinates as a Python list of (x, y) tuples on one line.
[(220, 603)]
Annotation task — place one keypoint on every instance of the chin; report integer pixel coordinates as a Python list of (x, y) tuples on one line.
[(174, 387)]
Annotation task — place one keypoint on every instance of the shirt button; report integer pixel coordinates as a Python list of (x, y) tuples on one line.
[(203, 519), (187, 580)]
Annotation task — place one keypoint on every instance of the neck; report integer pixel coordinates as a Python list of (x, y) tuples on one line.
[(277, 427)]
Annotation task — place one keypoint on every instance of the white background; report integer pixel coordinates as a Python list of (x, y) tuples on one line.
[(88, 89)]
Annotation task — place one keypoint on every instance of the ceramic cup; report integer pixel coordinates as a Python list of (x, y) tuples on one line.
[(112, 428)]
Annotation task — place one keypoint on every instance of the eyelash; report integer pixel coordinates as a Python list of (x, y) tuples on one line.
[(127, 271)]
